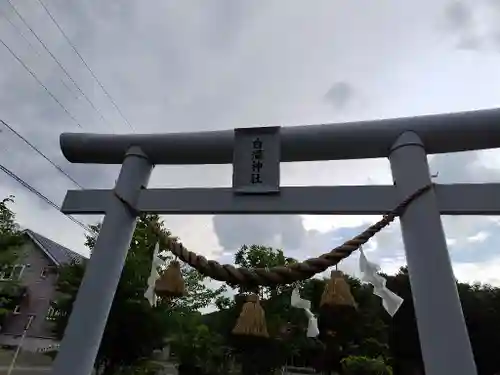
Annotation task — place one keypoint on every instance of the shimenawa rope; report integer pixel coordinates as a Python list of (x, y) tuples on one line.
[(290, 273)]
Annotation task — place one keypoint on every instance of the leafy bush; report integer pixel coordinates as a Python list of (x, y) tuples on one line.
[(354, 365), (196, 346)]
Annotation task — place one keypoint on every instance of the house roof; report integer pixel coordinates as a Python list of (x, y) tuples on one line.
[(56, 252)]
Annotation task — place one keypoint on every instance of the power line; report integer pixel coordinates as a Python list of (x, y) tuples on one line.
[(21, 34), (59, 64), (34, 148), (43, 197), (86, 65), (40, 83)]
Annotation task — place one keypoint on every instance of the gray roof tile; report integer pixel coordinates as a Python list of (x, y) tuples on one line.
[(56, 251)]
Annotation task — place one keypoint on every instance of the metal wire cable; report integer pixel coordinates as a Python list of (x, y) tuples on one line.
[(68, 40), (41, 83), (41, 196), (34, 148), (30, 45), (60, 65)]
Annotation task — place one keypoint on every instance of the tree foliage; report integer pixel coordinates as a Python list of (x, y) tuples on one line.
[(366, 340), (11, 239), (481, 305), (257, 256), (282, 320), (370, 340), (10, 233), (365, 366), (134, 329), (196, 347)]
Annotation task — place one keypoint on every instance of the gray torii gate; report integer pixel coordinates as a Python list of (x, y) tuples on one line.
[(256, 154)]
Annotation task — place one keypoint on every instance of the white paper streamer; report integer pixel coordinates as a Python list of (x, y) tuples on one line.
[(296, 301), (391, 301), (155, 275)]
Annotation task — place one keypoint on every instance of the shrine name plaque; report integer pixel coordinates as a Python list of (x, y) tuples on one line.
[(256, 160)]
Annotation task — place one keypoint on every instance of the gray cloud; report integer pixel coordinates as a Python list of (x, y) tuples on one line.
[(459, 21), (283, 232), (278, 231), (459, 16), (469, 42), (465, 234), (475, 24), (190, 67), (340, 95)]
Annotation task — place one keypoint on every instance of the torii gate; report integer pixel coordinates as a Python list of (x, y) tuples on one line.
[(406, 142)]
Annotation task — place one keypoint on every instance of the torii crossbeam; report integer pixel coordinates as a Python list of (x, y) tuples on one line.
[(256, 154)]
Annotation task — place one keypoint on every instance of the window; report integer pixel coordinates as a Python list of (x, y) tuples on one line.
[(12, 272), (44, 273), (17, 310)]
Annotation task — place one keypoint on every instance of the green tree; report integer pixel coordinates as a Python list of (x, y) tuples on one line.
[(369, 337), (257, 256), (134, 328), (345, 331), (365, 366), (274, 299), (10, 234), (404, 342), (361, 332), (284, 323), (198, 294), (481, 305), (11, 240), (197, 348)]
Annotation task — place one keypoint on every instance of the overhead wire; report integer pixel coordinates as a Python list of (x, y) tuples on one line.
[(59, 64), (21, 34), (43, 197), (12, 174), (34, 148), (34, 190), (71, 44), (15, 132), (31, 145), (25, 140), (40, 83)]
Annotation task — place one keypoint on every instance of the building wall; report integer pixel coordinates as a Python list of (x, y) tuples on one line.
[(41, 291)]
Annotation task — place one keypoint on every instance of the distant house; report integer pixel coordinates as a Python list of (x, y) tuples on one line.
[(35, 272)]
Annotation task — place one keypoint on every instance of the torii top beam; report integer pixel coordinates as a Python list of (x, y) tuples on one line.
[(463, 131)]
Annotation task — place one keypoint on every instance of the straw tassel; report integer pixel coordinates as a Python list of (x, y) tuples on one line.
[(171, 282), (337, 292), (252, 319)]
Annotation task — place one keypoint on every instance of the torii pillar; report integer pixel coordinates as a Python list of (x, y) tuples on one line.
[(406, 142)]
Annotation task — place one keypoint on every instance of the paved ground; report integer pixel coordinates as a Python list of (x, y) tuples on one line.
[(44, 370), (26, 370)]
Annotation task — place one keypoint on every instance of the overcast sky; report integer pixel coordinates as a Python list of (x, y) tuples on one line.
[(195, 65)]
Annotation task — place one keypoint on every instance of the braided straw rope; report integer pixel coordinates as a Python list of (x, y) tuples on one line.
[(284, 274)]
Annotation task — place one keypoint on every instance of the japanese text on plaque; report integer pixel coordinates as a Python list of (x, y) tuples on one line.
[(257, 161)]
